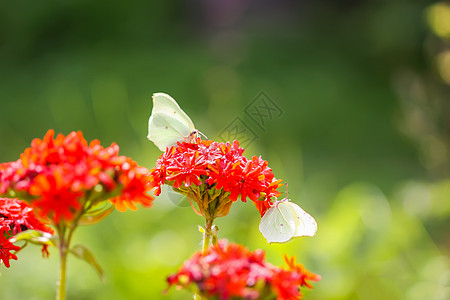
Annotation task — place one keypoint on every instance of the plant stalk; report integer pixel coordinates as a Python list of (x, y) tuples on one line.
[(61, 294), (206, 241), (207, 236), (64, 247)]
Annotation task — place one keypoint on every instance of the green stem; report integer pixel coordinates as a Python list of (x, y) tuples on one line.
[(206, 241), (61, 295), (207, 236), (64, 247), (61, 284)]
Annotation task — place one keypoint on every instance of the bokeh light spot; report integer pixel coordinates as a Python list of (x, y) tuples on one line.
[(438, 16)]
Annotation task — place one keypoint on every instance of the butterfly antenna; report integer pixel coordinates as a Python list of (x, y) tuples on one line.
[(202, 134)]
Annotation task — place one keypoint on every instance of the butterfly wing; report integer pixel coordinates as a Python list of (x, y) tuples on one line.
[(278, 224), (174, 197), (168, 123), (305, 223)]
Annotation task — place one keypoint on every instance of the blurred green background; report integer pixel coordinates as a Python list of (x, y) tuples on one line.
[(363, 139)]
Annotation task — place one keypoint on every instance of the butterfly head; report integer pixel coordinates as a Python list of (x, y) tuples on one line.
[(192, 137), (275, 204)]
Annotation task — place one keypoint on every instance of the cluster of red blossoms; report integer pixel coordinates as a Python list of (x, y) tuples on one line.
[(59, 175), (217, 165), (230, 271), (16, 216)]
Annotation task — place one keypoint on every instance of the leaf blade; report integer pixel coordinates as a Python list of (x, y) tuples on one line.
[(85, 254)]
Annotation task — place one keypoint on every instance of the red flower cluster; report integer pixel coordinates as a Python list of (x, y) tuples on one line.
[(230, 271), (58, 175), (218, 165), (16, 216)]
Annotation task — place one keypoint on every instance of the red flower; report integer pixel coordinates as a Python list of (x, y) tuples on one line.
[(251, 182), (54, 199), (135, 181), (187, 169), (216, 166), (285, 282), (228, 271), (62, 176), (5, 248)]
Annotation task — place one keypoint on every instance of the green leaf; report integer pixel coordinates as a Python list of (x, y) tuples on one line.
[(96, 215), (36, 237), (84, 254)]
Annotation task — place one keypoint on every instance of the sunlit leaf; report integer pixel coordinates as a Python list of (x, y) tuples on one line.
[(83, 253), (96, 215), (35, 237)]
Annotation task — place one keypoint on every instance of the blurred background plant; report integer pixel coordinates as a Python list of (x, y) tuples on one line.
[(363, 138)]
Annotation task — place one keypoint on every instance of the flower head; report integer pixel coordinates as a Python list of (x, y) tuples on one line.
[(230, 271), (208, 171), (63, 175)]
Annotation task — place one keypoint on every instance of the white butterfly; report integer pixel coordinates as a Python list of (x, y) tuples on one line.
[(284, 221), (168, 123)]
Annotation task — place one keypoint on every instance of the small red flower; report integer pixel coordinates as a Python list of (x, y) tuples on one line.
[(5, 248), (53, 198), (187, 169), (285, 282), (135, 182), (230, 271)]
